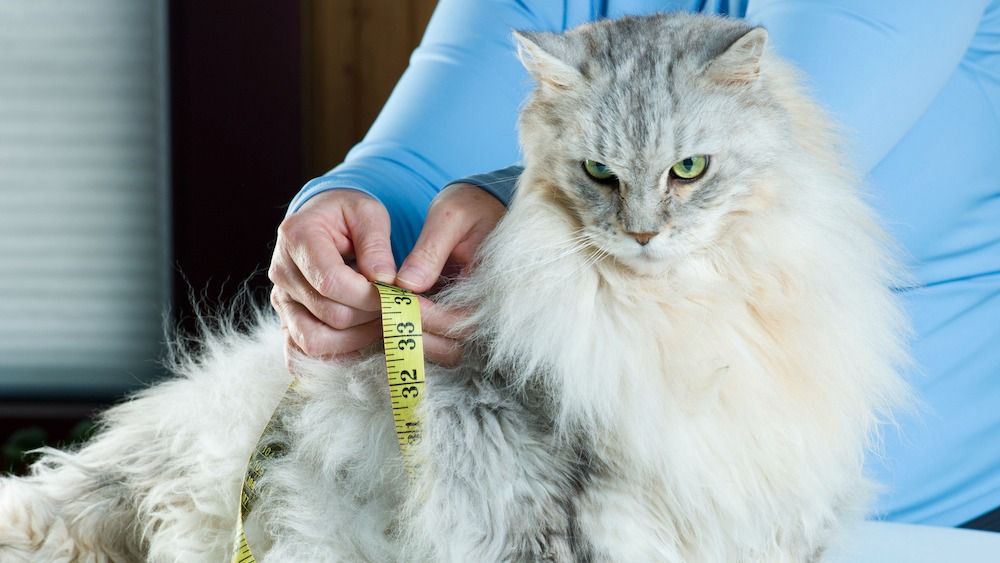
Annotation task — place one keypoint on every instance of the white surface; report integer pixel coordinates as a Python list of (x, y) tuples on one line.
[(882, 542)]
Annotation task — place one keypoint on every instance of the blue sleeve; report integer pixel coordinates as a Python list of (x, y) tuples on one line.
[(499, 183), (452, 113), (875, 66)]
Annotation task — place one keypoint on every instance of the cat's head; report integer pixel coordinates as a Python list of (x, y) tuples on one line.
[(650, 132)]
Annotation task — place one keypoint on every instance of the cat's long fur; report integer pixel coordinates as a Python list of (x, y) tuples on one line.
[(709, 401)]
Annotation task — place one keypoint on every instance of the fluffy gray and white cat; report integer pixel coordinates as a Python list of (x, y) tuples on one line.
[(682, 343)]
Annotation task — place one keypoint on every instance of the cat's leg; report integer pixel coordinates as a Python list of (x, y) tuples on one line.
[(616, 516), (160, 482), (492, 483)]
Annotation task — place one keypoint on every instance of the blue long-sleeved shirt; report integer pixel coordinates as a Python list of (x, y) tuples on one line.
[(916, 87)]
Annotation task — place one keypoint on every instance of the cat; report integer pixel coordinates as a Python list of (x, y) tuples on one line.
[(682, 341)]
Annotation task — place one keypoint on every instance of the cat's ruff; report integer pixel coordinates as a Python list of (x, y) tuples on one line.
[(706, 397)]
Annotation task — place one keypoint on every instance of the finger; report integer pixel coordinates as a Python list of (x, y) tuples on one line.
[(280, 300), (442, 231), (336, 315), (317, 340), (442, 351), (368, 224), (277, 297), (292, 353), (316, 257), (488, 212), (440, 320)]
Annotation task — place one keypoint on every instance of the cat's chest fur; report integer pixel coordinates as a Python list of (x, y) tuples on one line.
[(693, 417)]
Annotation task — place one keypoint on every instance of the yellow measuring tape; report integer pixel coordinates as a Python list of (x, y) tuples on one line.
[(404, 362)]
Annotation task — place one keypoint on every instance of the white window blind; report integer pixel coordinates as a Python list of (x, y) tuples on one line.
[(83, 236)]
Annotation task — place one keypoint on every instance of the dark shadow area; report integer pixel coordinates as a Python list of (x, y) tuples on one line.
[(235, 83)]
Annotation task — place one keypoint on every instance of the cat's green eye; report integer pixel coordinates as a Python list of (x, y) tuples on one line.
[(599, 172), (691, 168)]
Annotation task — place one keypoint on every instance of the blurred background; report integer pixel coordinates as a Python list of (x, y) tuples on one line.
[(148, 150)]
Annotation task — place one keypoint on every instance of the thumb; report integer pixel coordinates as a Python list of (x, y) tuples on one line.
[(437, 240), (369, 229)]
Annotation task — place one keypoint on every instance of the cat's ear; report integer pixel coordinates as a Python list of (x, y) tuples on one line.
[(547, 57), (740, 62)]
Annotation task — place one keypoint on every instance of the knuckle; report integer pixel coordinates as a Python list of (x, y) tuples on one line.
[(367, 205), (290, 344), (294, 332), (276, 273), (425, 253), (340, 317), (289, 229), (287, 316), (374, 245), (448, 209), (309, 344), (328, 285)]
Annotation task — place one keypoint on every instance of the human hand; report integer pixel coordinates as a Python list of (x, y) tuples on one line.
[(327, 307), (458, 220)]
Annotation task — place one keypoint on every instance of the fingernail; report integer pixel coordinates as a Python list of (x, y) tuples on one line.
[(411, 276), (384, 273)]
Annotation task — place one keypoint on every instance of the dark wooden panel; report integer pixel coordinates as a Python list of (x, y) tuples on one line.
[(384, 46), (421, 11), (330, 82), (354, 52)]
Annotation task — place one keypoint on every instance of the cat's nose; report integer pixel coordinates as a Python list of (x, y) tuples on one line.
[(643, 238)]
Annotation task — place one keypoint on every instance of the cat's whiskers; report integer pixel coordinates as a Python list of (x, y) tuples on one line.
[(577, 241), (595, 256)]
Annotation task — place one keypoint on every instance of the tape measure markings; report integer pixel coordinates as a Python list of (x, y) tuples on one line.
[(405, 371), (402, 338), (248, 493)]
